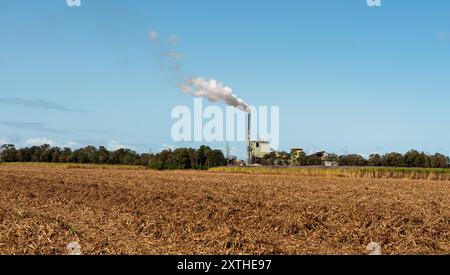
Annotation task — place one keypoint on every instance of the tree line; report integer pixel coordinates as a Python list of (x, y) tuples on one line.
[(182, 158), (205, 157), (412, 158)]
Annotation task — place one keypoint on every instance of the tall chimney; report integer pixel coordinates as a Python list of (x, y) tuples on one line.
[(249, 146)]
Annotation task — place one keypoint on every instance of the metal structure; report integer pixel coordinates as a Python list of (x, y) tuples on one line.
[(249, 136), (259, 149)]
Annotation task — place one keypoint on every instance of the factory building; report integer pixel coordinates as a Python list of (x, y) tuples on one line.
[(259, 148)]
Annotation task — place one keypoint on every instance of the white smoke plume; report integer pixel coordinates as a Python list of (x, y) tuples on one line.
[(211, 89), (174, 40), (174, 55), (214, 91)]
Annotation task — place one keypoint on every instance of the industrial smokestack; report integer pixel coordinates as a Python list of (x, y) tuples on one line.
[(209, 88), (249, 146), (216, 91)]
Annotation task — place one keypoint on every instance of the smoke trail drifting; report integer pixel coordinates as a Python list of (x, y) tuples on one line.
[(214, 91), (154, 36), (211, 89)]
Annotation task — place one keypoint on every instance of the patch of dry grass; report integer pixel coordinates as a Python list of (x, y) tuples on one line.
[(356, 172)]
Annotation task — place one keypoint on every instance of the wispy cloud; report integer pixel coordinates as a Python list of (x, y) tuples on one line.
[(174, 55), (443, 35), (153, 35), (173, 39), (32, 126), (38, 104), (40, 141), (72, 144)]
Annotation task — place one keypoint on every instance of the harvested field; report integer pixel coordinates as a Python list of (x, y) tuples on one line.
[(135, 211)]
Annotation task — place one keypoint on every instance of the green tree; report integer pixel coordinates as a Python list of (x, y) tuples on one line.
[(393, 160), (65, 154), (156, 162), (45, 153), (129, 157), (299, 159), (91, 154), (352, 160), (439, 161), (182, 159), (56, 152), (414, 159), (8, 153), (313, 160), (375, 160), (25, 154), (79, 156), (103, 155)]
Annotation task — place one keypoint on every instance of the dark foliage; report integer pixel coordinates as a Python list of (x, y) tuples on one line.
[(182, 158)]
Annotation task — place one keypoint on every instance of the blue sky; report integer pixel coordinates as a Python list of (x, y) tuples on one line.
[(347, 77)]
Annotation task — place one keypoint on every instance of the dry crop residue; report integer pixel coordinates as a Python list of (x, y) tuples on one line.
[(116, 211)]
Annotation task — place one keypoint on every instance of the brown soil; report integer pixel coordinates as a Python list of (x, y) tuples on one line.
[(116, 211)]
